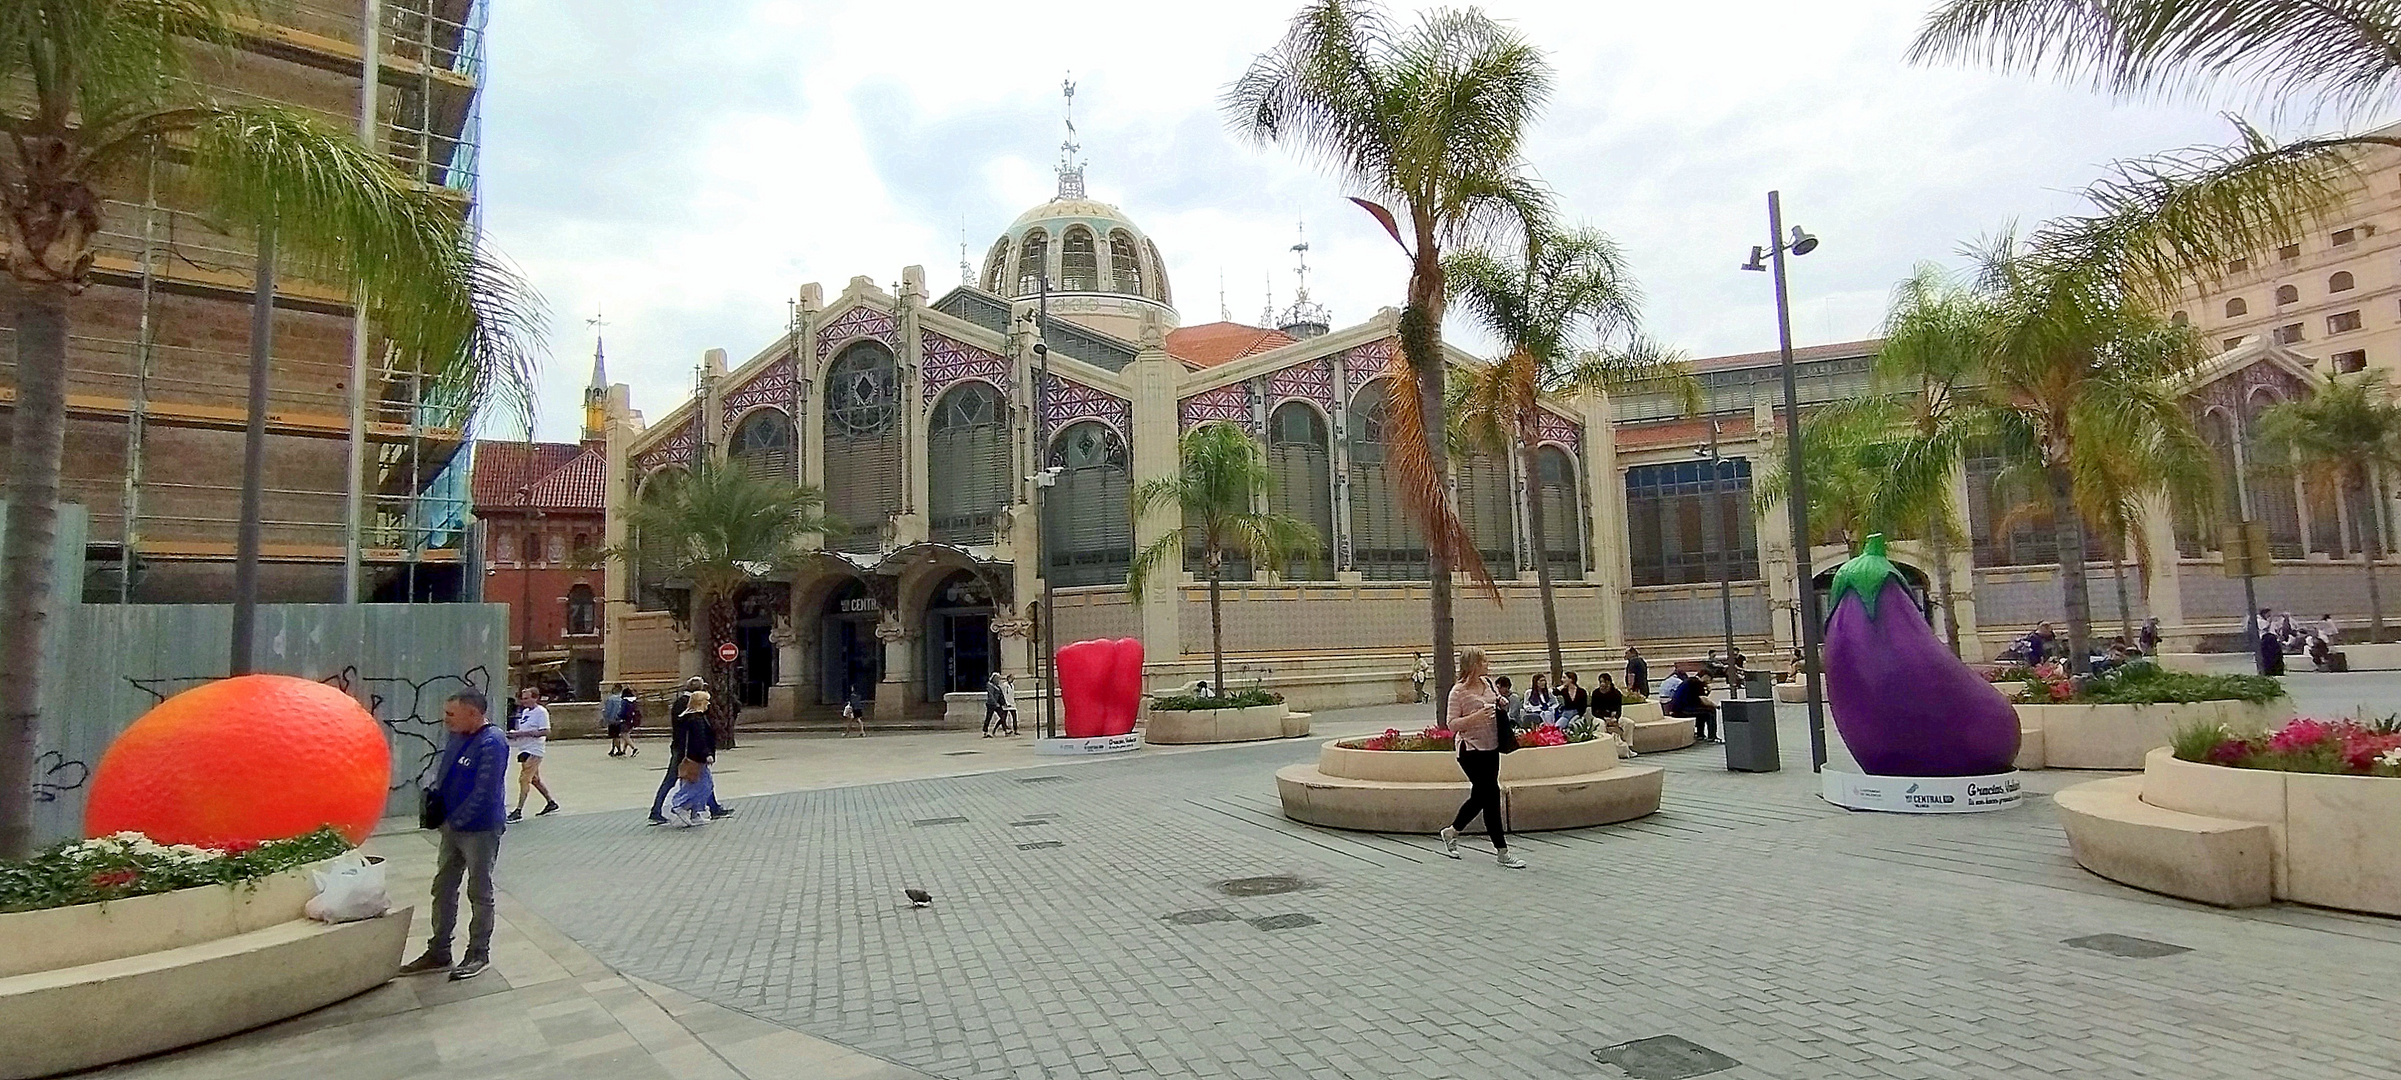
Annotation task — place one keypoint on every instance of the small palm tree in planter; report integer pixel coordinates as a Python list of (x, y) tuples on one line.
[(2344, 434), (723, 529), (1223, 481)]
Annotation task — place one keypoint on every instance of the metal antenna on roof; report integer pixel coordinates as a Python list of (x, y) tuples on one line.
[(1301, 250), (966, 277), (1267, 315), (1071, 171)]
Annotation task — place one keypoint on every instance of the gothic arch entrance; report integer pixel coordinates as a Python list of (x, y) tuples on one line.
[(959, 646), (850, 656)]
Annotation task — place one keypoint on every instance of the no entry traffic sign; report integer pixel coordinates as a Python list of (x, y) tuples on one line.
[(726, 653)]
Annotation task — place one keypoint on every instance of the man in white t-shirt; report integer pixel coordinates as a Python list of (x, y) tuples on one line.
[(529, 732)]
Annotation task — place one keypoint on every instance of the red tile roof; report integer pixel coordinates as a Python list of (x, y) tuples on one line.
[(1211, 344), (543, 476)]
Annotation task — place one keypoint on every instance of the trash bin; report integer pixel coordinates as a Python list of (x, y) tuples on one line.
[(2337, 661), (1749, 725), (1758, 684)]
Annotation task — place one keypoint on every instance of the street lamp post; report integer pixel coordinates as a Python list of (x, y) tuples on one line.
[(1044, 477), (1797, 498), (1725, 548)]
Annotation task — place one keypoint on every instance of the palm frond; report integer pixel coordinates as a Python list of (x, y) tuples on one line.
[(721, 525)]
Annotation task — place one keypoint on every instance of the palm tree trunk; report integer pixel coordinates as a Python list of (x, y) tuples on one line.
[(1217, 625), (1941, 545), (1421, 346), (2076, 594), (2371, 550), (37, 442), (1542, 562), (2125, 610), (723, 705)]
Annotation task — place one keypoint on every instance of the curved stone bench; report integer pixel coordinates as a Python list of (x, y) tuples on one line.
[(1172, 727), (2117, 736), (1542, 787), (2117, 835)]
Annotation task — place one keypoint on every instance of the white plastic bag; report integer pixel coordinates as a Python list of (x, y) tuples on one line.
[(349, 889)]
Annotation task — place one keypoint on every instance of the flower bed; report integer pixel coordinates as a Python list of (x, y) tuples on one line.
[(1581, 729), (1239, 699), (2140, 682), (1560, 786), (130, 864), (2110, 720), (2346, 747)]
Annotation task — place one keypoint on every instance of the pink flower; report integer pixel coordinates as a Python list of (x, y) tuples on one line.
[(2301, 735), (113, 878)]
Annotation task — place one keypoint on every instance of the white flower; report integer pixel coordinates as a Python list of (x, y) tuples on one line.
[(2390, 759)]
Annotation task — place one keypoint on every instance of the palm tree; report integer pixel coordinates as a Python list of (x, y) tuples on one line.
[(720, 530), (1842, 452), (107, 91), (1427, 124), (1565, 314), (1220, 485), (2346, 434), (1934, 337), (2079, 368)]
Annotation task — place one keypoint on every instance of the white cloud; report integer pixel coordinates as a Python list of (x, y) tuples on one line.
[(687, 166)]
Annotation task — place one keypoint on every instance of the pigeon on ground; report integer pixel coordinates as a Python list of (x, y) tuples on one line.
[(919, 897)]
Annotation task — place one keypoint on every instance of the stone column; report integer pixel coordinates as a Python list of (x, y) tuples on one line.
[(911, 526), (1963, 573), (786, 697), (1605, 502), (712, 407), (1776, 547), (2164, 589), (810, 430), (900, 668), (617, 601), (1153, 375)]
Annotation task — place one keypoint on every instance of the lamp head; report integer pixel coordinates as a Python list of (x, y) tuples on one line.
[(1041, 349), (1802, 243), (1758, 259)]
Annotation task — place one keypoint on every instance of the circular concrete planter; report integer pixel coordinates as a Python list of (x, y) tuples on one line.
[(2331, 838), (62, 937), (1187, 726), (2117, 736), (1543, 787)]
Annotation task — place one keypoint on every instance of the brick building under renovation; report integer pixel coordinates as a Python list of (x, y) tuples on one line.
[(159, 356)]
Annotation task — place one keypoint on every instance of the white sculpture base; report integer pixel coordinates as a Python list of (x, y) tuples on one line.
[(1098, 744), (1921, 794)]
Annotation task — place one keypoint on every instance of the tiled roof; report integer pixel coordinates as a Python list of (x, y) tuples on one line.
[(1211, 344), (551, 476)]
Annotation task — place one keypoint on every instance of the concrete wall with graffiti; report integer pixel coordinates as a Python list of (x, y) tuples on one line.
[(108, 664)]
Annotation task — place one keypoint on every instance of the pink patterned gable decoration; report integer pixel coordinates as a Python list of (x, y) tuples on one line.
[(2233, 390), (771, 386), (1361, 363), (947, 361), (1230, 403), (1311, 381), (858, 322), (1065, 402), (1554, 428), (676, 449)]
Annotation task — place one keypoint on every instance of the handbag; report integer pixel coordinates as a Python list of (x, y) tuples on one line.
[(688, 771), (1504, 733), (430, 811)]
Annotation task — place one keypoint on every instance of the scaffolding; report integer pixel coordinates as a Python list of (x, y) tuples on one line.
[(168, 369)]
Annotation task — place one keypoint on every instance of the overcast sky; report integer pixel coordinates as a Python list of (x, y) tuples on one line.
[(686, 166)]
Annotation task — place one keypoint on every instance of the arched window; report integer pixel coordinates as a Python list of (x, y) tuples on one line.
[(863, 456), (1485, 507), (1033, 262), (967, 456), (1159, 290), (1300, 458), (2339, 282), (1385, 544), (557, 549), (504, 546), (1562, 512), (996, 268), (1125, 263), (2268, 481), (1090, 525), (583, 611), (1079, 264), (2236, 307), (2288, 294), (762, 445), (654, 561), (2180, 319)]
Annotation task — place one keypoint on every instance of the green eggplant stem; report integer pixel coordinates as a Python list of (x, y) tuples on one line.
[(1864, 575)]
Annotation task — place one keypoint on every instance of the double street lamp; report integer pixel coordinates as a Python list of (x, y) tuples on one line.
[(1796, 499)]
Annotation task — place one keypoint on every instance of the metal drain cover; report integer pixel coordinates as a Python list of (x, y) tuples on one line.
[(1038, 779), (1282, 922), (960, 753), (2121, 945), (1198, 916), (1031, 821), (923, 822), (1041, 844), (1261, 886), (1664, 1057)]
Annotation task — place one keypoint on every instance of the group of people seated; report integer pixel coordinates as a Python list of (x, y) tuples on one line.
[(2280, 635), (1683, 694)]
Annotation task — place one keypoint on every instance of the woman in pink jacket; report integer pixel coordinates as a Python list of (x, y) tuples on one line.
[(1473, 720)]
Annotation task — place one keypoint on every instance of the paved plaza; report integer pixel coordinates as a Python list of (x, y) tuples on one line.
[(1156, 916)]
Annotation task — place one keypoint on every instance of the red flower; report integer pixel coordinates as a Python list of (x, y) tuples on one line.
[(237, 847), (110, 879), (2302, 735)]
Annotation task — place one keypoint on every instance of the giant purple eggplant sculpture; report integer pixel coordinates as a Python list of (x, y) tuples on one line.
[(1904, 704)]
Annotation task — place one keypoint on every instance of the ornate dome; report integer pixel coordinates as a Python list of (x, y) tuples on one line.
[(1104, 273)]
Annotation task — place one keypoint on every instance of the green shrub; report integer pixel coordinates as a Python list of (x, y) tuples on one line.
[(2145, 683), (1239, 699), (129, 864), (2195, 741)]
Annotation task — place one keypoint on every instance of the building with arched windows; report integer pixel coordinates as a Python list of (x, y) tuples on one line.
[(926, 420)]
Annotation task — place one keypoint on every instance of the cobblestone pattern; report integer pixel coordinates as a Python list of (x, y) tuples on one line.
[(1747, 917)]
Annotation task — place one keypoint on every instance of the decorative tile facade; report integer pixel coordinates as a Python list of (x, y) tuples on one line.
[(1361, 363), (2230, 392), (1312, 381), (946, 361), (1550, 427), (676, 449), (773, 385), (1065, 402), (858, 322), (1230, 403)]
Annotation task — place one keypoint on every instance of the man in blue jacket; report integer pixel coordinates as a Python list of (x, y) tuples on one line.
[(472, 792)]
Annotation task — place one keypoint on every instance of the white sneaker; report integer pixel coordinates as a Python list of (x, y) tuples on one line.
[(1509, 860), (1450, 842)]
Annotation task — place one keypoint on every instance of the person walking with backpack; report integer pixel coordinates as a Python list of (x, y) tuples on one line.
[(470, 798), (675, 754), (1474, 717)]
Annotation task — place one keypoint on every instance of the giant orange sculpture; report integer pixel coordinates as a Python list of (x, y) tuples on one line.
[(242, 761)]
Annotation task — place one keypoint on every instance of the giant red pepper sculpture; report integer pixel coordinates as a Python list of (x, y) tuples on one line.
[(1100, 687)]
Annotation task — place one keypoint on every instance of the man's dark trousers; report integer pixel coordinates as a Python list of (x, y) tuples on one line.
[(675, 759)]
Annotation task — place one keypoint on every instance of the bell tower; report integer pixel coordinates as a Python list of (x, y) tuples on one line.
[(596, 393)]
